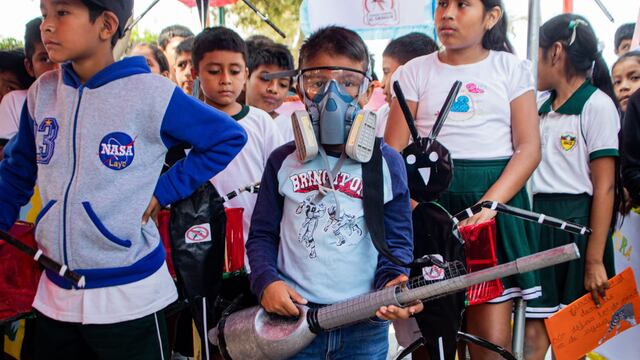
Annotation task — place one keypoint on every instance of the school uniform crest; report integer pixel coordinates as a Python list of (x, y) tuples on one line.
[(568, 141), (116, 150)]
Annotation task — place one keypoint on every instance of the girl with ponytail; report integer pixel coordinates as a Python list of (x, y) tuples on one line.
[(576, 179), (491, 133)]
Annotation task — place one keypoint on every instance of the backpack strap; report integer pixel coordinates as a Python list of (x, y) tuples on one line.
[(373, 203)]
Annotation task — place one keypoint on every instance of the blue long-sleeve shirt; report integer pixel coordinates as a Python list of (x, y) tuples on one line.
[(300, 238)]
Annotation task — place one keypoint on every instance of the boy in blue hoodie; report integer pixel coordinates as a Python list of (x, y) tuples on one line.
[(95, 133)]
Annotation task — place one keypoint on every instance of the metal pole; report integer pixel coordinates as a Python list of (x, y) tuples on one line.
[(264, 18), (519, 321), (567, 6), (533, 36), (221, 16), (605, 11)]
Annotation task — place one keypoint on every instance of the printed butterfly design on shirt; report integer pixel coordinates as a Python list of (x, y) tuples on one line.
[(474, 89)]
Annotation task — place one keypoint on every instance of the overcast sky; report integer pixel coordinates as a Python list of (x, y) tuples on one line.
[(15, 13)]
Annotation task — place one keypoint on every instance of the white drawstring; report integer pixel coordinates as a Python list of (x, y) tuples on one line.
[(573, 25), (322, 189)]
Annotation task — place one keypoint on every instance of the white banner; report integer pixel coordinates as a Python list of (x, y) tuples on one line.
[(372, 19), (635, 42), (626, 243)]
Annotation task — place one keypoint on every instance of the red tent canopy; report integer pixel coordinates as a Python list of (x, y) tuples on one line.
[(203, 7), (214, 3)]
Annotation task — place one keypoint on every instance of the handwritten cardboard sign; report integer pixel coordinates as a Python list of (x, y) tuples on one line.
[(581, 327)]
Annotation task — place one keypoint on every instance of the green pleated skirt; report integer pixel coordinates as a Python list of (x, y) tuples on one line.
[(564, 283), (515, 237)]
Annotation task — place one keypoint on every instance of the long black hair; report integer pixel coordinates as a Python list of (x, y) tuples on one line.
[(496, 38), (583, 53)]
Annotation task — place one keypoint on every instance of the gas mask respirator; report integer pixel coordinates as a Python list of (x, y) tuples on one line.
[(334, 117)]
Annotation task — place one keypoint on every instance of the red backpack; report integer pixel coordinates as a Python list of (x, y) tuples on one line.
[(19, 275)]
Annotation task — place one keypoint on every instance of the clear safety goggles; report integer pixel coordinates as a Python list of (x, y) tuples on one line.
[(351, 82)]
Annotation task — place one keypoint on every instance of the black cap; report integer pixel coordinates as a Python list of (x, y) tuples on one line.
[(122, 8)]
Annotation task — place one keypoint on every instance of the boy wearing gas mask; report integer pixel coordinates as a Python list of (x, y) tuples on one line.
[(309, 242)]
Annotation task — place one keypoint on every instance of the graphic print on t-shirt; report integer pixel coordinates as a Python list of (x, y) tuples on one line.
[(312, 213), (341, 225), (313, 180), (340, 230), (464, 108)]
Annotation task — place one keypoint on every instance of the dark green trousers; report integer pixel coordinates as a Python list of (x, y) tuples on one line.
[(139, 339)]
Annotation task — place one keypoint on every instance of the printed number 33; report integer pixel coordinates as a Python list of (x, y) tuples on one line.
[(49, 128)]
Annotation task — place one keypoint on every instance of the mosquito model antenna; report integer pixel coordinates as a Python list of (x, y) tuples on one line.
[(442, 115), (444, 112), (407, 113)]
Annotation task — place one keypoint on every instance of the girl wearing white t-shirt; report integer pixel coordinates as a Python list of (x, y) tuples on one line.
[(491, 132), (579, 125)]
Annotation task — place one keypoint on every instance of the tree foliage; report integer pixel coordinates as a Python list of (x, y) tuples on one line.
[(283, 13), (10, 44), (146, 37)]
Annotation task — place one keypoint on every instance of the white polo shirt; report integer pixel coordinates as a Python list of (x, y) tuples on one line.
[(583, 129), (247, 167), (10, 109)]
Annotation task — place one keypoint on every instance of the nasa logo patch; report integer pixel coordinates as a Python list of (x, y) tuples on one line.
[(116, 150)]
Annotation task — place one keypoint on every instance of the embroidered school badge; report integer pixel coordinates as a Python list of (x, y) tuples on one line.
[(116, 150), (567, 141)]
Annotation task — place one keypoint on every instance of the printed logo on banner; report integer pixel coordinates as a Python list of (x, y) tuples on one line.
[(568, 141), (433, 272), (116, 150), (380, 12), (198, 233)]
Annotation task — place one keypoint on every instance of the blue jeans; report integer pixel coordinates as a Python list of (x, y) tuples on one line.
[(368, 340)]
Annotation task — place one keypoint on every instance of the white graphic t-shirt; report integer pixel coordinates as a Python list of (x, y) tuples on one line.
[(479, 124)]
